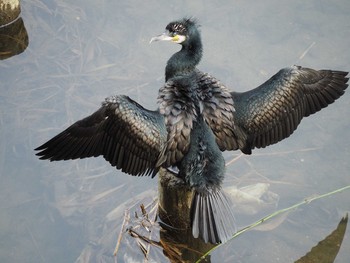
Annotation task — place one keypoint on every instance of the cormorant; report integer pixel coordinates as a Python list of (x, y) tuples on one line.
[(258, 117), (139, 141), (203, 169)]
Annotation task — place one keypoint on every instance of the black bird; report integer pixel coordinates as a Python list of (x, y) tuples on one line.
[(139, 141), (259, 117), (203, 169)]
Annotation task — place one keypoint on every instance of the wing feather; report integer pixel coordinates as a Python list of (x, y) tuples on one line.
[(177, 104), (218, 111), (127, 135), (278, 105), (271, 112)]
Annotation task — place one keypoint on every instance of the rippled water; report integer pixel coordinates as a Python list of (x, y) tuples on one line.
[(81, 52)]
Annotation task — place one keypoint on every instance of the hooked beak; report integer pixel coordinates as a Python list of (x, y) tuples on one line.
[(162, 37)]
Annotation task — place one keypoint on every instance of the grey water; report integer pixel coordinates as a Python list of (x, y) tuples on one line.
[(80, 52)]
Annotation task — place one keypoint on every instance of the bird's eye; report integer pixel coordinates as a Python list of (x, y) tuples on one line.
[(173, 34)]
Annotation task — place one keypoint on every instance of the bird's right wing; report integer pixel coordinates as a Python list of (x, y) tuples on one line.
[(127, 135)]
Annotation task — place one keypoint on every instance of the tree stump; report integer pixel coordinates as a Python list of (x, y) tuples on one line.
[(174, 208), (9, 11), (13, 35)]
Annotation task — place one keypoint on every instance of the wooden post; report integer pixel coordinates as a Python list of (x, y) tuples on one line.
[(9, 11), (174, 211), (13, 34)]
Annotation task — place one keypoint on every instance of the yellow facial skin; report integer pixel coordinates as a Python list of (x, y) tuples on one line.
[(178, 39)]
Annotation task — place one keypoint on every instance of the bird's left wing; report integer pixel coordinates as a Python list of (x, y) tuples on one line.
[(127, 135), (218, 110), (272, 111)]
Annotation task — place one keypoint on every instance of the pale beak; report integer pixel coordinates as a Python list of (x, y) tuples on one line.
[(162, 37)]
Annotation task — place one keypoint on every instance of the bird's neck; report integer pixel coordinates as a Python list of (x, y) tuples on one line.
[(184, 61)]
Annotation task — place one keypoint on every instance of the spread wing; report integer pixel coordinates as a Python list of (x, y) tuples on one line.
[(127, 135), (272, 111)]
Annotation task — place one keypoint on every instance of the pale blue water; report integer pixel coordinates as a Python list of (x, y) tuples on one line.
[(81, 52)]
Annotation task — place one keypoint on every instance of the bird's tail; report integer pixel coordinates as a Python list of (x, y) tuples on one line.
[(212, 217)]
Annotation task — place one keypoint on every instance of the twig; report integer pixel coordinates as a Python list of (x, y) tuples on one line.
[(154, 220), (34, 242), (262, 220), (234, 159), (134, 234), (122, 230), (306, 51), (288, 152)]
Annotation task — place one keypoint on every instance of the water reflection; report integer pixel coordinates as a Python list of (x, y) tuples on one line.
[(327, 249), (81, 52)]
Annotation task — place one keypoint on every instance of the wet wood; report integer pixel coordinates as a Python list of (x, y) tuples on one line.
[(9, 11), (174, 211), (13, 38), (174, 200)]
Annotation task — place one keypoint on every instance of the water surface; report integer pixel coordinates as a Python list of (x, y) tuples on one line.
[(81, 52)]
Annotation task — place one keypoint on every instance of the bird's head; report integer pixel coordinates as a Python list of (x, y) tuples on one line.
[(182, 32)]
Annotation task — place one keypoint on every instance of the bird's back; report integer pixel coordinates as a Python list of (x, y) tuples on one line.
[(203, 166)]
